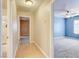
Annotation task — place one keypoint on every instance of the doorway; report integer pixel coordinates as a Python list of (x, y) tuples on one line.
[(66, 32), (24, 30)]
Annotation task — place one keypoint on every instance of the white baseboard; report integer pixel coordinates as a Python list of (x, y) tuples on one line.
[(41, 50)]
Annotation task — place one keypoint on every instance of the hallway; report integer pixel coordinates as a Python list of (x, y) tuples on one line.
[(38, 15), (28, 51), (28, 29)]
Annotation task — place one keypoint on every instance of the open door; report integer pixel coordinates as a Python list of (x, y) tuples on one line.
[(24, 30), (24, 27)]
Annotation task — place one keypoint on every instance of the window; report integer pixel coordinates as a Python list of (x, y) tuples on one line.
[(76, 26)]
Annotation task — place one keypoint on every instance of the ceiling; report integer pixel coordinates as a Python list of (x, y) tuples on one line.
[(22, 6), (61, 7)]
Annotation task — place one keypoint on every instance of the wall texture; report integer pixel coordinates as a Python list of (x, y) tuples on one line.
[(69, 27), (42, 27)]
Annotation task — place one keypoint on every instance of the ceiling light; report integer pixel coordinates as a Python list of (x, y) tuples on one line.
[(28, 2)]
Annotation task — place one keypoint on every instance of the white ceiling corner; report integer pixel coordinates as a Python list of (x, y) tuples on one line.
[(22, 6)]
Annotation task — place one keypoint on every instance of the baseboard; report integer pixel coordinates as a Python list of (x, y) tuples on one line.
[(41, 50), (32, 42)]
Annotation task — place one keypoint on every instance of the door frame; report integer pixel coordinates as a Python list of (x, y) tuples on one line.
[(29, 27), (1, 36)]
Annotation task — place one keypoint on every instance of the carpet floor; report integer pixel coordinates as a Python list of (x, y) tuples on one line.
[(66, 48)]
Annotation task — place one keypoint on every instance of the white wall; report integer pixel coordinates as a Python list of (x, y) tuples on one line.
[(12, 28), (43, 27)]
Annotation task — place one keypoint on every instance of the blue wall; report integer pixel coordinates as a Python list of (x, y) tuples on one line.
[(69, 27), (59, 26)]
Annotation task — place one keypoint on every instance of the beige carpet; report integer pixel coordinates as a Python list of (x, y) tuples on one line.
[(28, 51)]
